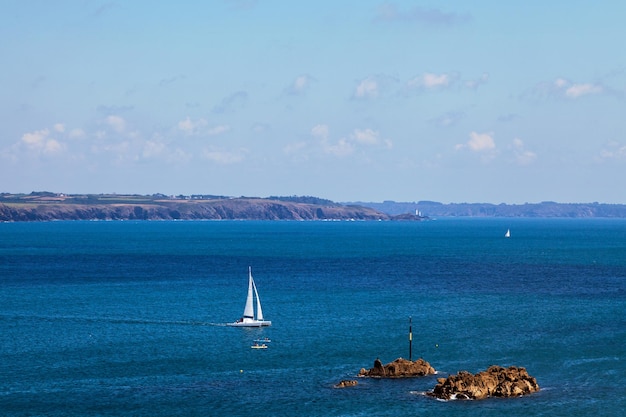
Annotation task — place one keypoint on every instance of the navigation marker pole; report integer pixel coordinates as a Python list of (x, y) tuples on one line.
[(410, 339)]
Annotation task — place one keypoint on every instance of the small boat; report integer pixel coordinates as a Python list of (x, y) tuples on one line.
[(508, 233), (264, 340), (248, 319), (259, 346)]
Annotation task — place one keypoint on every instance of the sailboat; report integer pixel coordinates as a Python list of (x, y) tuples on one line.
[(248, 319), (508, 233)]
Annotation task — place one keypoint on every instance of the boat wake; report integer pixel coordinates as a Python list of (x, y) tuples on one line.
[(119, 320)]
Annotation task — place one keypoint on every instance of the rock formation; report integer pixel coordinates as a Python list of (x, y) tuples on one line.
[(496, 381), (400, 368), (346, 383)]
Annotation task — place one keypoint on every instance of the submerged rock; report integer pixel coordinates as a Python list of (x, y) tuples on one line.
[(496, 381), (400, 368), (346, 383)]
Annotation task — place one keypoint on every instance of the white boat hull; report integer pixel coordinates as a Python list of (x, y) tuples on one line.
[(255, 323)]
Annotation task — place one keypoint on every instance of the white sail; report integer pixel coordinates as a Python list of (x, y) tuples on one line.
[(248, 311), (508, 233), (259, 311)]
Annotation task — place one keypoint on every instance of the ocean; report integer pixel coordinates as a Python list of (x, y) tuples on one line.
[(128, 318)]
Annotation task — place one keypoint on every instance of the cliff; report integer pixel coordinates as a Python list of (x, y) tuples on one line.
[(47, 206)]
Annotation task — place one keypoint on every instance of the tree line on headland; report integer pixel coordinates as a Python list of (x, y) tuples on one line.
[(47, 206)]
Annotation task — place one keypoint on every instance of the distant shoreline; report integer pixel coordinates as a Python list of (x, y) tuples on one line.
[(547, 209), (47, 206)]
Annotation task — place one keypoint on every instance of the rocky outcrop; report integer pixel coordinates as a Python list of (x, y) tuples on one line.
[(409, 217), (400, 368), (346, 383), (496, 381)]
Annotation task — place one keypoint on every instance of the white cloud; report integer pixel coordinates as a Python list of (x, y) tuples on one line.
[(320, 131), (435, 80), (224, 157), (179, 155), (365, 136), (76, 133), (36, 138), (299, 85), (40, 141), (474, 84), (190, 127), (560, 83), (117, 123), (613, 150), (367, 88), (347, 145), (52, 146), (153, 149), (480, 142), (186, 125), (565, 88), (431, 81), (342, 148), (218, 130), (578, 90), (59, 127), (522, 155)]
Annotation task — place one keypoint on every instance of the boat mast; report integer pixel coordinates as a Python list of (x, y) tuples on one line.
[(410, 339)]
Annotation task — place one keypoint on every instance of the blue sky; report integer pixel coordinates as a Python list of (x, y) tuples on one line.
[(455, 101)]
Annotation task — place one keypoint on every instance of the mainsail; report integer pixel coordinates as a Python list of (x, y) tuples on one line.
[(248, 311)]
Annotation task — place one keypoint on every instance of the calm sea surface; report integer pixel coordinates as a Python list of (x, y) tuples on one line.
[(127, 318)]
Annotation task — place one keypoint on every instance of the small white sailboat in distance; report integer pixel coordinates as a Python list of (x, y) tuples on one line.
[(248, 319), (508, 233)]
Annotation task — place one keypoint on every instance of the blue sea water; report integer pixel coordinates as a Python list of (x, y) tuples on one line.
[(127, 318)]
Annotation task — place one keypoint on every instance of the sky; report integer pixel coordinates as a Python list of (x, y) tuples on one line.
[(449, 101)]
